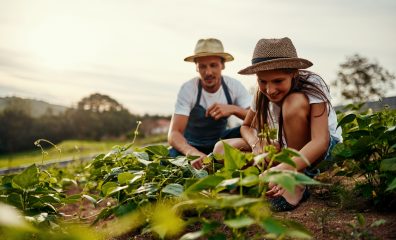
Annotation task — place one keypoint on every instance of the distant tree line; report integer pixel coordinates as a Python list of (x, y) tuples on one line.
[(96, 117)]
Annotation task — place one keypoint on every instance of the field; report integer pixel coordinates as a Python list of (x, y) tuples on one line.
[(67, 150), (324, 217), (136, 191)]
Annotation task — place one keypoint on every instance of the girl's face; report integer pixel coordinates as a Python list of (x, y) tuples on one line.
[(275, 84)]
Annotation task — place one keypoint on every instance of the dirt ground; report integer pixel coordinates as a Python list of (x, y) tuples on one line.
[(325, 219)]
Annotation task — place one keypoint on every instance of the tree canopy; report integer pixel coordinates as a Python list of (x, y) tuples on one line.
[(96, 117), (361, 80)]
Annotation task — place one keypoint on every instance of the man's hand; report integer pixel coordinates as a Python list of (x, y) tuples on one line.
[(218, 110), (198, 163)]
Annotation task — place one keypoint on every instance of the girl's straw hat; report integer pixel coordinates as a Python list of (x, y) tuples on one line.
[(209, 47), (270, 54)]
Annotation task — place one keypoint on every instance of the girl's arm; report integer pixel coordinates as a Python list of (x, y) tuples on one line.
[(249, 133), (317, 146)]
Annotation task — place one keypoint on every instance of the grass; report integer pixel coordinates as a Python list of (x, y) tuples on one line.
[(69, 149)]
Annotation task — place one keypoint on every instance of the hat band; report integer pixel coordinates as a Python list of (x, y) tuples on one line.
[(258, 60)]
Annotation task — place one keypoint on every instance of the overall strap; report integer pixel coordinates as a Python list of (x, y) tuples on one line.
[(226, 91), (199, 93)]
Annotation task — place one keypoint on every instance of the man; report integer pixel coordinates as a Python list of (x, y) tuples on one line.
[(204, 104)]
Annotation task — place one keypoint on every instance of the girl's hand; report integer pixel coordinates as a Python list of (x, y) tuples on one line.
[(257, 148), (274, 190)]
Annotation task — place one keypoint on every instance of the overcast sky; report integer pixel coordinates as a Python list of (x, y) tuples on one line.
[(61, 51)]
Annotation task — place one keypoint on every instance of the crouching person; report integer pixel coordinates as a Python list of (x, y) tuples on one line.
[(296, 102)]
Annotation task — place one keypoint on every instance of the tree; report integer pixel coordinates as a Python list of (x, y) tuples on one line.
[(360, 80), (15, 126), (97, 102), (100, 116)]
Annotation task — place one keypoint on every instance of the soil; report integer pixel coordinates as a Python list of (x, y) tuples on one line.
[(322, 216), (326, 221)]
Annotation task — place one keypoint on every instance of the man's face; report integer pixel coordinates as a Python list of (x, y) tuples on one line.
[(209, 69)]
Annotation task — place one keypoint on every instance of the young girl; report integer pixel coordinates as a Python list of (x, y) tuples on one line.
[(294, 101)]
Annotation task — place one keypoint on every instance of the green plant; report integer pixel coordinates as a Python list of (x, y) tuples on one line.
[(249, 207), (34, 193), (360, 229), (368, 150), (322, 217), (152, 192)]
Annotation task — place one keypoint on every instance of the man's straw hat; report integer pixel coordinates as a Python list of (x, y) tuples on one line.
[(270, 54), (209, 47)]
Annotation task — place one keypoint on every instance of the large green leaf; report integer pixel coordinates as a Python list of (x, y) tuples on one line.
[(388, 164), (233, 158), (166, 222), (273, 226), (239, 222), (363, 121), (284, 179), (144, 162), (115, 190), (50, 198), (174, 189), (288, 179), (147, 187), (304, 179), (15, 200), (229, 182), (392, 185), (108, 187), (27, 179), (159, 150), (197, 173), (205, 183), (249, 181), (124, 177), (180, 161), (347, 119), (342, 150), (142, 155), (283, 157)]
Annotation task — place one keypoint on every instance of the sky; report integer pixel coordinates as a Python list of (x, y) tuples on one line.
[(60, 51)]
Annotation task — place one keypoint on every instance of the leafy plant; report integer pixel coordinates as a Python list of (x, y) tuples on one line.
[(368, 150), (360, 229), (34, 193), (152, 192)]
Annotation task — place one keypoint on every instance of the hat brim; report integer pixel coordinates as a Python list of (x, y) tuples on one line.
[(226, 56), (296, 63)]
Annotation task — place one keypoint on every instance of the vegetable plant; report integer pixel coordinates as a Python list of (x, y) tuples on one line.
[(368, 151)]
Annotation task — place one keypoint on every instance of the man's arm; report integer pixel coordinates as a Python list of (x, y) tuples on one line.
[(177, 140)]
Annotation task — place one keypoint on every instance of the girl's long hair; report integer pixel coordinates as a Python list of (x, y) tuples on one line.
[(300, 83)]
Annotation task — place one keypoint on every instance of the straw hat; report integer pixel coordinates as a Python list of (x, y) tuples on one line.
[(209, 47), (270, 54)]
